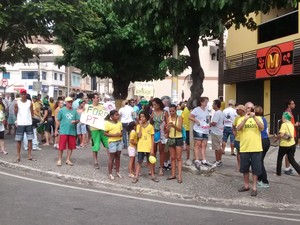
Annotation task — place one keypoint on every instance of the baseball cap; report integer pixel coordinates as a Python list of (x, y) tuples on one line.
[(68, 99), (241, 107), (144, 102), (34, 96), (23, 91)]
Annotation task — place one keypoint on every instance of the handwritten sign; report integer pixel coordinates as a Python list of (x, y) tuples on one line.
[(144, 89), (94, 116)]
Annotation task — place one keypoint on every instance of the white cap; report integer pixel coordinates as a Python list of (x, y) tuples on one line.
[(231, 102)]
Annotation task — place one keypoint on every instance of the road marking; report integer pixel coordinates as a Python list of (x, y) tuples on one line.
[(215, 209)]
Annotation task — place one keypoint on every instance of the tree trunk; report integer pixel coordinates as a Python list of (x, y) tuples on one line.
[(197, 72), (120, 92)]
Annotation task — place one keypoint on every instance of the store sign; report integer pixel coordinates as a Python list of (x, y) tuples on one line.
[(275, 61), (94, 116)]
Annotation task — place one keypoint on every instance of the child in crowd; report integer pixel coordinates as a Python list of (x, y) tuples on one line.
[(113, 130), (131, 129), (145, 145)]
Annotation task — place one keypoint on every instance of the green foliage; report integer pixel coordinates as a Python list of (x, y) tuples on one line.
[(177, 65)]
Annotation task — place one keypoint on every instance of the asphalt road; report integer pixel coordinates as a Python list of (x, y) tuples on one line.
[(34, 200)]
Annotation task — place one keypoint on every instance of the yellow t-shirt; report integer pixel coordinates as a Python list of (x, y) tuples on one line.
[(113, 128), (287, 128), (250, 139), (174, 133), (133, 137), (146, 141), (52, 105), (222, 106), (37, 109), (185, 116), (235, 123)]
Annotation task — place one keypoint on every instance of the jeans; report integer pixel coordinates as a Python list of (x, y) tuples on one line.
[(125, 135), (35, 142), (266, 145), (290, 152)]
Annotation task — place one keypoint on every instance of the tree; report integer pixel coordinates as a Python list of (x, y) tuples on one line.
[(185, 22), (113, 47), (21, 20)]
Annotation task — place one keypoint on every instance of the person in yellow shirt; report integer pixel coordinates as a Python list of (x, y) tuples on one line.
[(240, 110), (175, 142), (131, 129), (145, 145), (186, 124), (113, 130), (250, 147), (287, 144)]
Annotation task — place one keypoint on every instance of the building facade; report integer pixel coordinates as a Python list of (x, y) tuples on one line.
[(263, 66)]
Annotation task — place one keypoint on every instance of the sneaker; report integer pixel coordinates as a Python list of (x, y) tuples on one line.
[(288, 172), (37, 149), (206, 163), (219, 163), (261, 184), (197, 164)]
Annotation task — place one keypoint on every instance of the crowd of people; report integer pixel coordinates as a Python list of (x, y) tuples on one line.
[(154, 128)]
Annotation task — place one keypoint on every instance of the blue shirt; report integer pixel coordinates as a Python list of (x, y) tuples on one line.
[(264, 132)]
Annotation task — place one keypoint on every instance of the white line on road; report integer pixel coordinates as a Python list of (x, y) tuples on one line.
[(216, 209)]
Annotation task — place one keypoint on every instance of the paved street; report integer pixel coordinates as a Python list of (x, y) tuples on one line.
[(220, 187), (28, 200)]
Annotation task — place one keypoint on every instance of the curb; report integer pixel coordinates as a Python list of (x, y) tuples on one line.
[(147, 191)]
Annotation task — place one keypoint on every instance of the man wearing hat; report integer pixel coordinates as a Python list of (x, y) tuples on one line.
[(24, 113), (67, 119), (250, 147)]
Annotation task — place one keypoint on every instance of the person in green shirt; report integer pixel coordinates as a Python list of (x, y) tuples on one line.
[(67, 119)]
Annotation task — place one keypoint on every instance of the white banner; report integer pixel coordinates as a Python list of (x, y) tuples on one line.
[(144, 89), (93, 116)]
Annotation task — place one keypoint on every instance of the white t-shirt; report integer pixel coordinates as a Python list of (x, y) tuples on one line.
[(218, 118), (203, 117), (126, 114), (229, 114)]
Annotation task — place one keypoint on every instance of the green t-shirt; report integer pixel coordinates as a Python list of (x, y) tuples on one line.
[(65, 116)]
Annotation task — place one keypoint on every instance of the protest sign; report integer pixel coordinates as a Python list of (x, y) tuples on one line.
[(144, 89), (94, 116)]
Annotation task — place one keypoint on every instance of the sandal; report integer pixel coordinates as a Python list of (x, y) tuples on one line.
[(4, 152), (58, 163), (179, 181), (155, 179), (69, 163), (119, 175), (32, 159), (135, 180), (96, 166), (131, 175), (253, 193), (243, 189), (171, 178), (111, 177)]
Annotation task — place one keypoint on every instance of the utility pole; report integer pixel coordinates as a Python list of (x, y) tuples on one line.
[(221, 65), (174, 87)]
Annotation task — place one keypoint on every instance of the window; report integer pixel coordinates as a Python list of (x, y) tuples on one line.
[(55, 76), (60, 77), (281, 26), (29, 74), (6, 75), (44, 75)]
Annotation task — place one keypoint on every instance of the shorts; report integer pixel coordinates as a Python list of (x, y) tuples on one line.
[(157, 136), (131, 151), (216, 142), (252, 159), (187, 137), (141, 156), (115, 146), (227, 132), (97, 136), (81, 128), (48, 125), (200, 136), (21, 130), (237, 145), (1, 135), (178, 142), (65, 139), (11, 119)]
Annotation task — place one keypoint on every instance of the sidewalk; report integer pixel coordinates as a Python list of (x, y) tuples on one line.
[(221, 186)]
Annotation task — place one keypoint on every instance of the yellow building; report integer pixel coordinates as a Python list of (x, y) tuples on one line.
[(263, 66)]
